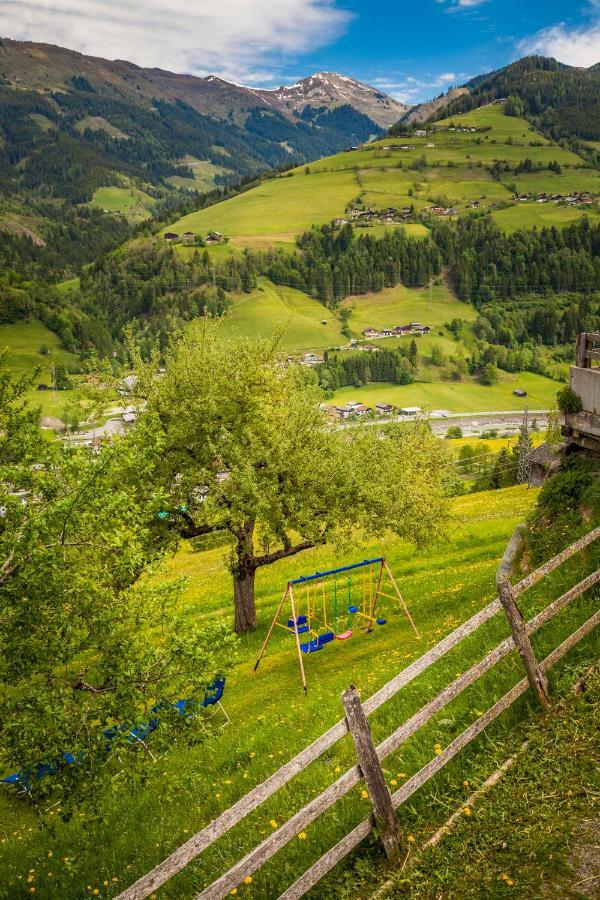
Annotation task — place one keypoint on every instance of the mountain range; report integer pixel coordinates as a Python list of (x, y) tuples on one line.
[(72, 125)]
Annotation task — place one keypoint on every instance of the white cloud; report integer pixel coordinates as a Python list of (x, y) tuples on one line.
[(409, 89), (243, 40), (574, 46), (459, 5)]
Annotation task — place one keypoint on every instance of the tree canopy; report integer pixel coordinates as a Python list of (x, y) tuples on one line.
[(85, 642), (240, 444)]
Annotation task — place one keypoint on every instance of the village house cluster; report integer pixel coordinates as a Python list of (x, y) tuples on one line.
[(388, 216), (577, 198), (188, 237), (355, 410), (397, 331)]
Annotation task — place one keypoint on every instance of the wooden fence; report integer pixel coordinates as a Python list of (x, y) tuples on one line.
[(369, 757)]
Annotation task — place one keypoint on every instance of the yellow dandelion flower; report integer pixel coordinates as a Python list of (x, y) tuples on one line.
[(467, 810), (401, 775), (509, 882), (95, 892), (233, 892), (393, 781), (466, 783), (248, 879), (338, 769), (302, 836), (364, 794), (105, 883), (50, 854), (437, 750), (273, 823), (411, 838)]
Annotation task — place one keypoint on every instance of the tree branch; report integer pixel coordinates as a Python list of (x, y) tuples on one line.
[(269, 558)]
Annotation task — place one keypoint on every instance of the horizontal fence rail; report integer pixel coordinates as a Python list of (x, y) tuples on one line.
[(253, 860), (329, 860)]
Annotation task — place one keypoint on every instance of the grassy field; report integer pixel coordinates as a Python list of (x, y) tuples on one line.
[(99, 851), (540, 215), (535, 834), (467, 396), (301, 317), (396, 306), (276, 210), (129, 201), (273, 213), (269, 307), (23, 341)]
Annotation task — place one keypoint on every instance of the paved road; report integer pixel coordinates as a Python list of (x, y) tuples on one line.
[(472, 424)]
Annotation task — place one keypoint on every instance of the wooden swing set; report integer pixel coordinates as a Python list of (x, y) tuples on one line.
[(325, 615)]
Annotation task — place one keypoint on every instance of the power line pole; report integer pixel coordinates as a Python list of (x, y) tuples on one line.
[(524, 447)]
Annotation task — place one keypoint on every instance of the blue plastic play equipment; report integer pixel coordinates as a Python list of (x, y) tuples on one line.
[(138, 734)]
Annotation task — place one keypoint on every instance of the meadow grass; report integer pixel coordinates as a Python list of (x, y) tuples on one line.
[(278, 209), (399, 305), (128, 833), (270, 307), (23, 341), (541, 215), (465, 396), (282, 204), (301, 317), (551, 183), (129, 201)]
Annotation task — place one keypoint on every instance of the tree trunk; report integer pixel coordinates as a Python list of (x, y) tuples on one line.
[(243, 598), (243, 579)]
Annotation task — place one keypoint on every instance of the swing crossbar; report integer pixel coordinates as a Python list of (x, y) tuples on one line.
[(317, 575)]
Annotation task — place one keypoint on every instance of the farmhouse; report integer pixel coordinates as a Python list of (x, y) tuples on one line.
[(188, 237), (410, 410), (213, 237), (519, 392), (171, 236), (311, 359), (384, 409)]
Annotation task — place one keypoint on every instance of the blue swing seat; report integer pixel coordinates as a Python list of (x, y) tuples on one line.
[(382, 621), (301, 620), (311, 646), (353, 609)]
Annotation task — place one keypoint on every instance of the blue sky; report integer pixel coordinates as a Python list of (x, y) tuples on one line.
[(413, 49)]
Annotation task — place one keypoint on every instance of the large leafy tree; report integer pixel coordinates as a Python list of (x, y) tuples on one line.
[(239, 441), (83, 643)]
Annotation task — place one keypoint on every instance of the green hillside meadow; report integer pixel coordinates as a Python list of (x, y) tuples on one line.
[(272, 720), (453, 170)]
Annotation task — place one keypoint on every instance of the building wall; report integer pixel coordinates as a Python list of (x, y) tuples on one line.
[(586, 383)]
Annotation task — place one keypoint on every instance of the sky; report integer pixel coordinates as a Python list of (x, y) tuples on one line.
[(411, 49)]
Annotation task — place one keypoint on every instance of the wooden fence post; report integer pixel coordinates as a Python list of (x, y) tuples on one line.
[(369, 764), (537, 679)]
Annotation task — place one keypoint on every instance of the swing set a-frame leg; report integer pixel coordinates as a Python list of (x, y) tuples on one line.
[(271, 627), (400, 597), (297, 636), (288, 592)]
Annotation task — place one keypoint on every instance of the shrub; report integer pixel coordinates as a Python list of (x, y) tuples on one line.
[(568, 401)]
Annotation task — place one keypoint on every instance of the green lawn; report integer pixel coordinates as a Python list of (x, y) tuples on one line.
[(128, 832), (468, 396), (277, 209), (271, 306), (23, 341), (540, 215), (399, 305), (551, 183), (130, 201)]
